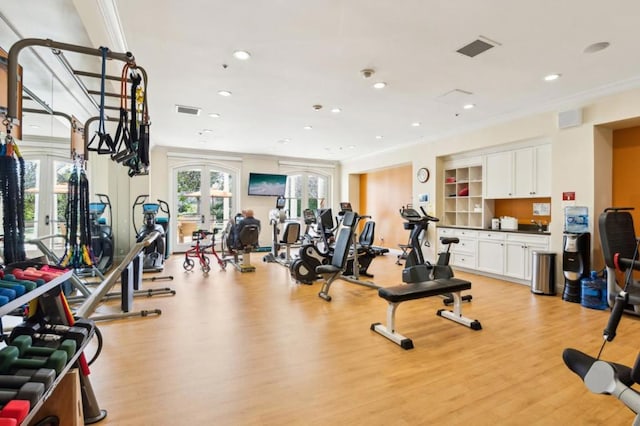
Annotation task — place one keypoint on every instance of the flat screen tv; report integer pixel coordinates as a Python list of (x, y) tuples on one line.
[(269, 185)]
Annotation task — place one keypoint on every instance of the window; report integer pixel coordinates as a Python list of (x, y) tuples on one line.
[(306, 190)]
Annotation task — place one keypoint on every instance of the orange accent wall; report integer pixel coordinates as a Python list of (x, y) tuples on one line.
[(521, 208), (626, 158), (382, 193)]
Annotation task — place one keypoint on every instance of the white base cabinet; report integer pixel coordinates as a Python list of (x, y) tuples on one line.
[(507, 255), (491, 252)]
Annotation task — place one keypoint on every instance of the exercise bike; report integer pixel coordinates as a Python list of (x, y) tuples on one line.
[(317, 250), (156, 253), (290, 235), (416, 268), (101, 232)]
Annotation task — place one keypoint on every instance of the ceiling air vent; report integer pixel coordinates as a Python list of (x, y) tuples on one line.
[(182, 109), (476, 47)]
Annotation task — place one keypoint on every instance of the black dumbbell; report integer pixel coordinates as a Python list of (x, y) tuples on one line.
[(10, 360), (87, 324), (25, 345), (30, 391), (46, 376), (40, 331)]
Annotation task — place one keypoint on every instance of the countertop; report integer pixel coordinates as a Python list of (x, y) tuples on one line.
[(525, 229)]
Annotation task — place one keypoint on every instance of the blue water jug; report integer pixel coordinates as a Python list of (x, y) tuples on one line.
[(594, 292)]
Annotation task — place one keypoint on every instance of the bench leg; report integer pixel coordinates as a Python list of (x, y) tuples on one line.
[(326, 285), (389, 331), (456, 314)]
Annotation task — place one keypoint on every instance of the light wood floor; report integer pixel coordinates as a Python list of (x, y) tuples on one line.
[(258, 349)]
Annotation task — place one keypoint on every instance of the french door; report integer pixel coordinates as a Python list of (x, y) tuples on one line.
[(203, 200), (45, 200)]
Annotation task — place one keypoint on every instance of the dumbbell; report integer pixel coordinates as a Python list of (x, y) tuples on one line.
[(11, 285), (14, 412), (46, 376), (10, 359), (30, 391), (29, 275), (27, 284), (25, 345), (8, 293), (50, 333)]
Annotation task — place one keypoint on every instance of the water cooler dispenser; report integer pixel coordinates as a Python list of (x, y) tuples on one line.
[(576, 264), (576, 253)]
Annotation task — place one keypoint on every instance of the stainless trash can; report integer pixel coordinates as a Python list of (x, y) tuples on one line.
[(543, 272)]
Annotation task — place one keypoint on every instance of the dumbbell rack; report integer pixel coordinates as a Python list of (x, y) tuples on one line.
[(36, 292), (86, 386)]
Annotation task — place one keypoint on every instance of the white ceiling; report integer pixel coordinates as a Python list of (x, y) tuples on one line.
[(306, 53)]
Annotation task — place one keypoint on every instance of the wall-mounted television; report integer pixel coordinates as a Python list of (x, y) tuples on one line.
[(266, 184)]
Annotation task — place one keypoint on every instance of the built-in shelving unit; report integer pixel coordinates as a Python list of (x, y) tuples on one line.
[(463, 202)]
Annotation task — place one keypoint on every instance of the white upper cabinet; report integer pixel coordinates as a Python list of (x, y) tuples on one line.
[(521, 173), (498, 175)]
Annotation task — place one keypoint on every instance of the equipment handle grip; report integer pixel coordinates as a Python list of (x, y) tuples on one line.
[(428, 217), (616, 314)]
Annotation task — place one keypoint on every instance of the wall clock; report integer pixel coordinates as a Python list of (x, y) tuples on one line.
[(423, 174)]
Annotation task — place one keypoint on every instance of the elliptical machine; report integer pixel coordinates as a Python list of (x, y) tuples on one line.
[(101, 232), (416, 268), (156, 253)]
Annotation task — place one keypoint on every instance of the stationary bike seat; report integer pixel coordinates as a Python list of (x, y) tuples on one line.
[(449, 240)]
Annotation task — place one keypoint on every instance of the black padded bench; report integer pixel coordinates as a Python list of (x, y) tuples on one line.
[(404, 292)]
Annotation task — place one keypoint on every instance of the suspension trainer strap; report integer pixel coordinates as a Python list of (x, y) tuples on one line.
[(122, 139), (105, 143)]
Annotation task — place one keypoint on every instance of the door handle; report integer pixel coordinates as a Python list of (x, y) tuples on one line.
[(46, 220)]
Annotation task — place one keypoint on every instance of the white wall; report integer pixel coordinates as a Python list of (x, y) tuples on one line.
[(581, 156), (161, 167)]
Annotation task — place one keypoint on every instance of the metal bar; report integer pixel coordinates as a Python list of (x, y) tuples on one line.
[(50, 112), (14, 53), (112, 95), (92, 302), (66, 65), (35, 98), (96, 75)]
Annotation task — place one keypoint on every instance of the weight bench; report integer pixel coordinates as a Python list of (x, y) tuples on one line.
[(404, 292)]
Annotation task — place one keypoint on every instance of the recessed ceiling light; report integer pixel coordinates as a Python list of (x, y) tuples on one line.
[(214, 115), (379, 85), (596, 47), (224, 93), (416, 124), (243, 55), (284, 141), (469, 106), (307, 127), (351, 147), (552, 77), (336, 110), (379, 137)]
